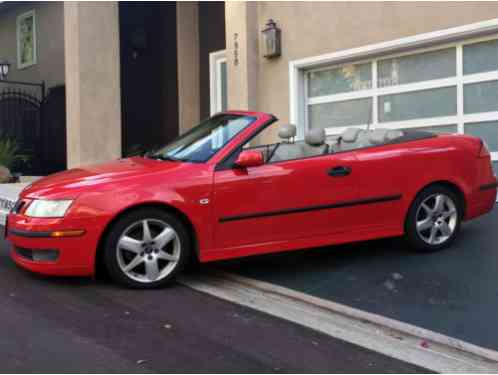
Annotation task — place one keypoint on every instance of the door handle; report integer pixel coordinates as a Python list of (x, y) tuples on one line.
[(339, 171)]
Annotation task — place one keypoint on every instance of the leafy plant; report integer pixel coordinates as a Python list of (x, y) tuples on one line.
[(10, 153), (134, 150)]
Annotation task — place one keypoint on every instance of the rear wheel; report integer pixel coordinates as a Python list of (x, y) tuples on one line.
[(434, 219), (146, 248)]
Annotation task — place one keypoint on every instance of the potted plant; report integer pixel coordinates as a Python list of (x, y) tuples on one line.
[(9, 156)]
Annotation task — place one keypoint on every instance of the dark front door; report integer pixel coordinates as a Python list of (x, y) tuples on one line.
[(52, 141), (149, 92)]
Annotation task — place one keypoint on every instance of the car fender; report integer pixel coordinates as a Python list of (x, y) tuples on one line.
[(102, 209), (449, 179)]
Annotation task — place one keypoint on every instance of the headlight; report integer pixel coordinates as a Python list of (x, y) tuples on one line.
[(46, 208)]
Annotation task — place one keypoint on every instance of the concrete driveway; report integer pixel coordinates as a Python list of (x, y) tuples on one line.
[(454, 292)]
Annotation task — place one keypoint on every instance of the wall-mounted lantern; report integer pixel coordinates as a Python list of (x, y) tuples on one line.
[(272, 42), (4, 69)]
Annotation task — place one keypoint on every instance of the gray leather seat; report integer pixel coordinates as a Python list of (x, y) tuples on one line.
[(351, 139), (393, 134), (314, 143), (355, 138), (286, 150), (378, 136), (350, 135)]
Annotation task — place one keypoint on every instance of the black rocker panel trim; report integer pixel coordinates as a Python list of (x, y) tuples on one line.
[(494, 185), (290, 211)]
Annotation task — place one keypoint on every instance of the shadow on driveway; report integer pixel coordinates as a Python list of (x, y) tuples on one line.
[(454, 292), (75, 325)]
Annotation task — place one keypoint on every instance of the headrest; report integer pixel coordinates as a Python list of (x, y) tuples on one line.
[(377, 136), (287, 131), (350, 135), (315, 137)]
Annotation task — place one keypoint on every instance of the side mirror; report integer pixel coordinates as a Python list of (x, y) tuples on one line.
[(250, 159)]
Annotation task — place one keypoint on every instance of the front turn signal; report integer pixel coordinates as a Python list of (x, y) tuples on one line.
[(67, 233)]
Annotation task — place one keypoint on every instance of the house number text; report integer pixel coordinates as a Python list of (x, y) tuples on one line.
[(236, 49)]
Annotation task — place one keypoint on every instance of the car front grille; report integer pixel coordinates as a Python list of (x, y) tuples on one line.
[(38, 255)]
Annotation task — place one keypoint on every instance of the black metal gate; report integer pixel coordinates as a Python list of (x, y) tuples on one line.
[(39, 128), (20, 121)]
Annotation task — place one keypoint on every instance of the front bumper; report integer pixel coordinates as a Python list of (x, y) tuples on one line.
[(35, 250)]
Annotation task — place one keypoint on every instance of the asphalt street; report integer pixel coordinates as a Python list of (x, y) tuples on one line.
[(60, 325), (454, 292)]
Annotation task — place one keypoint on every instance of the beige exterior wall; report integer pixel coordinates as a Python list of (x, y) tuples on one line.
[(93, 92), (316, 28), (187, 30), (255, 83), (242, 36), (50, 35)]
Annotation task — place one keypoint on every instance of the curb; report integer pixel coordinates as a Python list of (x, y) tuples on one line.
[(406, 328)]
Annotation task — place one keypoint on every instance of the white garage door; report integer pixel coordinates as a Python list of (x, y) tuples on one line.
[(450, 88)]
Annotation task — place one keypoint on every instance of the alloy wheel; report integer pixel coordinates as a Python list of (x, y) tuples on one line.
[(148, 250), (436, 219)]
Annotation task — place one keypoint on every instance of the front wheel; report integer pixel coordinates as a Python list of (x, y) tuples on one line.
[(146, 248), (434, 219)]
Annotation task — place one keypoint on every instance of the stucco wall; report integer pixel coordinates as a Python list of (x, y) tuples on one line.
[(313, 28), (93, 94), (50, 34)]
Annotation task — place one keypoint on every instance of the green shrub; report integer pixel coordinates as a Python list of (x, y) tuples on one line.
[(9, 153)]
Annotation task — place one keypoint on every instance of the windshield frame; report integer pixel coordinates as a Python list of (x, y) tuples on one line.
[(227, 161), (251, 117)]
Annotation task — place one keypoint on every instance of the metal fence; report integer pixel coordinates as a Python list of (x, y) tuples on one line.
[(38, 126)]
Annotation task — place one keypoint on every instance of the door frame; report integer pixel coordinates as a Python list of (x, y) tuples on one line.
[(215, 89)]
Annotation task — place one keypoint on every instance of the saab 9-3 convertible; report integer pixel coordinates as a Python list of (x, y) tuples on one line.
[(214, 194)]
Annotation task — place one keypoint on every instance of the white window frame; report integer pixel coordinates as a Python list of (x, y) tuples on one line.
[(19, 18), (215, 91)]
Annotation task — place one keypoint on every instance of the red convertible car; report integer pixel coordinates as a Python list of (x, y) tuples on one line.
[(213, 194)]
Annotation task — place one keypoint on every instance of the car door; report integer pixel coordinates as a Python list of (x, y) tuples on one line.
[(285, 200), (383, 176)]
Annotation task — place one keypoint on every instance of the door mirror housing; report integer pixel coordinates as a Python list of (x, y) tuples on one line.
[(250, 159)]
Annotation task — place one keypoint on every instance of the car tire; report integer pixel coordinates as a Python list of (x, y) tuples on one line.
[(146, 248), (434, 219)]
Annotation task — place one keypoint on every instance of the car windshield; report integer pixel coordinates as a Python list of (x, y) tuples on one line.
[(202, 142)]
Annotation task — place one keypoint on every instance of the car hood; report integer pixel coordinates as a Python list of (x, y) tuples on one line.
[(73, 182)]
